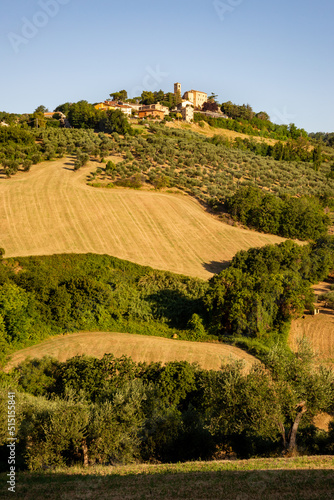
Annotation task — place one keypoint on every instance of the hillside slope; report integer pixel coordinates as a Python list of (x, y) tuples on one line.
[(51, 210), (319, 329), (139, 347)]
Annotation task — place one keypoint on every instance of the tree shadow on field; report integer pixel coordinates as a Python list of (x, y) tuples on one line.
[(70, 166), (329, 312), (198, 485), (215, 266)]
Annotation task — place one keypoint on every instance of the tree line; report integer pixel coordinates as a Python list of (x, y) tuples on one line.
[(287, 216), (254, 127), (113, 411)]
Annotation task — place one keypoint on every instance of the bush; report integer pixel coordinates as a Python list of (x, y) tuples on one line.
[(302, 218)]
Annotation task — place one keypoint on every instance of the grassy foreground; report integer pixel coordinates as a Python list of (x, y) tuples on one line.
[(280, 478)]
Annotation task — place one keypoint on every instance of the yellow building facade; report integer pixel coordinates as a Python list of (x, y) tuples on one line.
[(196, 97)]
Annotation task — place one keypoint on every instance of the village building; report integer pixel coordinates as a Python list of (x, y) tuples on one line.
[(134, 107), (193, 98), (153, 110), (50, 114), (177, 88), (114, 105), (187, 113), (196, 97), (186, 103)]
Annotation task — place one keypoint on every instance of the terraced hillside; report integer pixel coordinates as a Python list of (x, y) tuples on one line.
[(139, 347), (52, 210)]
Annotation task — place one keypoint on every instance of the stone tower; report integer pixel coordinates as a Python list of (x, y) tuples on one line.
[(177, 88)]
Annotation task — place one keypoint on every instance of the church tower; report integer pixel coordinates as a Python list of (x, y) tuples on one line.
[(177, 88)]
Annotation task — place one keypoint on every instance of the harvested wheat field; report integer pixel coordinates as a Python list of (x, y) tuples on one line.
[(51, 210), (209, 356), (319, 329)]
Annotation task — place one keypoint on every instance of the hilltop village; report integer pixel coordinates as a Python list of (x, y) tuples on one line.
[(184, 106)]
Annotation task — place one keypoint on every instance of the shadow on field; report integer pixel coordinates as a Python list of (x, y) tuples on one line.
[(329, 312), (70, 164), (309, 484), (216, 266)]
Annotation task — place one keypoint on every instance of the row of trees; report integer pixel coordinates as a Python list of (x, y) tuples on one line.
[(302, 218), (17, 149), (113, 410), (22, 146), (256, 126), (290, 150), (168, 99)]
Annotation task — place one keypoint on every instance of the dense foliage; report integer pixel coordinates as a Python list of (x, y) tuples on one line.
[(324, 137), (256, 297), (17, 148), (84, 115), (109, 411), (302, 218), (63, 293)]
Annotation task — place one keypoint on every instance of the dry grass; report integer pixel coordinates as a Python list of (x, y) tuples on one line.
[(302, 478), (140, 347), (319, 329), (211, 131), (322, 421), (51, 210)]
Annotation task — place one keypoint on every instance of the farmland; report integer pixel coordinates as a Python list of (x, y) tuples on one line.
[(52, 210), (319, 329), (157, 198), (140, 348)]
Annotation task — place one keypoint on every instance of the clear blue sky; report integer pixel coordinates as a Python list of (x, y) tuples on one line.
[(275, 55)]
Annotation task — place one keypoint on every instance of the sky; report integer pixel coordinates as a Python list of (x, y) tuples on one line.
[(276, 55)]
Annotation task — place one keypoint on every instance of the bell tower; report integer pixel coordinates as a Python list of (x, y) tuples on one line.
[(177, 88)]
